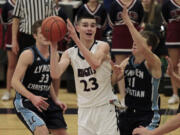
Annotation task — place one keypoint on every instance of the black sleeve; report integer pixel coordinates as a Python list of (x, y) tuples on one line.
[(165, 11), (5, 13), (62, 14)]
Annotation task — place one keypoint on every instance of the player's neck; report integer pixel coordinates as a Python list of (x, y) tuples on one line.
[(138, 60), (44, 50), (87, 43)]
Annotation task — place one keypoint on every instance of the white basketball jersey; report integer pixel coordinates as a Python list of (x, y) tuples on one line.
[(93, 87)]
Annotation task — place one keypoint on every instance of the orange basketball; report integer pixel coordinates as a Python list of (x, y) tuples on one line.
[(54, 28)]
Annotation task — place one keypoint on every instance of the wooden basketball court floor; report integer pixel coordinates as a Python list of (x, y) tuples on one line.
[(11, 125)]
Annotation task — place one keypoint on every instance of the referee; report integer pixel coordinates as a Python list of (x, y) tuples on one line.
[(26, 12)]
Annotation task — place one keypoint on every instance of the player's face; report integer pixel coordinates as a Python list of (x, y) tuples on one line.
[(87, 28), (137, 50), (134, 49), (40, 38)]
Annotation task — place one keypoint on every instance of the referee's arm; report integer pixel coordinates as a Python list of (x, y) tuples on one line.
[(15, 26)]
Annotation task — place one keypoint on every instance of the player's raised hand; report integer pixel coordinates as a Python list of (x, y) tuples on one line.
[(117, 70), (39, 102), (170, 68), (141, 131), (125, 15), (71, 30), (53, 45)]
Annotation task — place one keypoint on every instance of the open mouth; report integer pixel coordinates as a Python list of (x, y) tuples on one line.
[(89, 34)]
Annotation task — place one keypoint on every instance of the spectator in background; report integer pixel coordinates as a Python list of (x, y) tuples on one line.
[(107, 4), (7, 11), (93, 7), (170, 10), (121, 37), (84, 1), (1, 30), (25, 14)]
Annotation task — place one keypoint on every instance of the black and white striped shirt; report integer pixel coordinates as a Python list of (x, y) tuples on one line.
[(30, 11)]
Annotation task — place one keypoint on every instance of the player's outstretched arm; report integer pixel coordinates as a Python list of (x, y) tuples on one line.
[(26, 59), (58, 68), (94, 59), (153, 61), (169, 126)]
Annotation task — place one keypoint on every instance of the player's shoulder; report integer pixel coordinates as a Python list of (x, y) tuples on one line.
[(75, 47), (28, 52), (72, 50), (27, 56), (102, 44)]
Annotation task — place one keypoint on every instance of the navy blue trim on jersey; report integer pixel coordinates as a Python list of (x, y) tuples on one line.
[(133, 64), (79, 54)]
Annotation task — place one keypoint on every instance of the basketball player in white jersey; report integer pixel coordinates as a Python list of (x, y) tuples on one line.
[(92, 71)]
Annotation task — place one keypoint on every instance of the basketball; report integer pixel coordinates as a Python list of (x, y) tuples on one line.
[(54, 28)]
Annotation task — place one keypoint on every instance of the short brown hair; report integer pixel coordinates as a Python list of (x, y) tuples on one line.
[(151, 38), (35, 26)]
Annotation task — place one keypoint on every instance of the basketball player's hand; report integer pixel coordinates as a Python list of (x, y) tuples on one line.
[(15, 47), (39, 102), (170, 68), (62, 105), (53, 45), (142, 131), (71, 30), (125, 15), (117, 70), (67, 38)]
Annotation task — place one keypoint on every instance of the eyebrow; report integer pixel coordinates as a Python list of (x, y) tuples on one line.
[(87, 23)]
